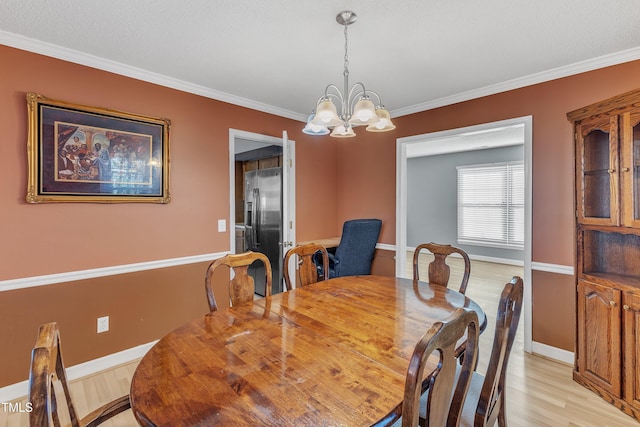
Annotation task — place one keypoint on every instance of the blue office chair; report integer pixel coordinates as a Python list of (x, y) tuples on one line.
[(354, 254)]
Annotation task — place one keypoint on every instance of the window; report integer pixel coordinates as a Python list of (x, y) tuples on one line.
[(491, 205)]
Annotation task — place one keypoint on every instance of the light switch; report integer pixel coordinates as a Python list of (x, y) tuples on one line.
[(222, 225)]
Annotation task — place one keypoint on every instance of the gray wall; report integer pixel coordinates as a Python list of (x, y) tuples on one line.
[(432, 202)]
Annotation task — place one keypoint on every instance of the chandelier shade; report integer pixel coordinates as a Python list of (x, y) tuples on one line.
[(342, 131), (384, 123), (314, 129), (355, 105), (326, 114), (364, 113)]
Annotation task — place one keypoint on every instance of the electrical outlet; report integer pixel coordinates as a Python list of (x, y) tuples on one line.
[(222, 225), (103, 324)]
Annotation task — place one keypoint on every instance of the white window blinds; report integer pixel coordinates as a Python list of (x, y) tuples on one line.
[(491, 205)]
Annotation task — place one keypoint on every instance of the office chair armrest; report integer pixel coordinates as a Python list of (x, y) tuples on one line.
[(333, 259)]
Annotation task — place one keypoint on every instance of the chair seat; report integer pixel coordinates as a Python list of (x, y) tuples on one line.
[(470, 401)]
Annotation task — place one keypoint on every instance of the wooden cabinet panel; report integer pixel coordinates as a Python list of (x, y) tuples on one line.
[(631, 317), (271, 162), (599, 335), (630, 169)]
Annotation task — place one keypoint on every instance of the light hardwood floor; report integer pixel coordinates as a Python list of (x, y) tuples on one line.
[(540, 392)]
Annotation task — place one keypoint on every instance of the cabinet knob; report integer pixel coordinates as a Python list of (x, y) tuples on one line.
[(625, 169), (612, 303), (626, 307), (611, 170)]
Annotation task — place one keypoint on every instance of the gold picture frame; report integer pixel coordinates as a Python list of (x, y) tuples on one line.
[(80, 153)]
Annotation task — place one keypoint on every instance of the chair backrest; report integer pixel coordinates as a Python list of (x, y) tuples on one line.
[(357, 246), (49, 390), (491, 397), (439, 271), (446, 396), (305, 266), (241, 285)]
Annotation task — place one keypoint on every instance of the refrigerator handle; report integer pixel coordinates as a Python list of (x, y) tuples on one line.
[(248, 223), (256, 218)]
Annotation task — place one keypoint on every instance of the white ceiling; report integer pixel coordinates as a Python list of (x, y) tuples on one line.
[(278, 55)]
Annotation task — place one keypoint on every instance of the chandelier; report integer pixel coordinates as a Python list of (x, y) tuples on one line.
[(356, 107)]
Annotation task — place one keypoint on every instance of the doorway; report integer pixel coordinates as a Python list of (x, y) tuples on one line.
[(458, 140), (262, 202)]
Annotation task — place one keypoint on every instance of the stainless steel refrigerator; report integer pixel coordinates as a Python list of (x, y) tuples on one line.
[(263, 223)]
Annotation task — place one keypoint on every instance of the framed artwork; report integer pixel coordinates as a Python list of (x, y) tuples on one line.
[(79, 153)]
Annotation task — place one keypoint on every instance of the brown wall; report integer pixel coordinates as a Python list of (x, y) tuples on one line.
[(142, 307), (128, 233), (66, 237), (369, 163), (553, 302), (384, 263)]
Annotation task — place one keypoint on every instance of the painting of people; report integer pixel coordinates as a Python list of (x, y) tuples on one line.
[(87, 154)]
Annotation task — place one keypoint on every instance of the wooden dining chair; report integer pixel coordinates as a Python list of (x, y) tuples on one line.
[(241, 285), (447, 390), (486, 398), (49, 392), (439, 271), (306, 269)]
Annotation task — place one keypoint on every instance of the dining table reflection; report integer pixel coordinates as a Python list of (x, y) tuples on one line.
[(332, 353)]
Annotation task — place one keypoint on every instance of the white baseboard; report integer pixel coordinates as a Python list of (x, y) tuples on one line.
[(21, 389), (472, 257), (554, 353), (506, 261)]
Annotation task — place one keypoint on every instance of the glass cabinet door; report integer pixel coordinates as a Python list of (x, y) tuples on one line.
[(596, 169), (630, 168)]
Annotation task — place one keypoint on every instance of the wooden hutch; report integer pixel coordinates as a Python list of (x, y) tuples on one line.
[(607, 197)]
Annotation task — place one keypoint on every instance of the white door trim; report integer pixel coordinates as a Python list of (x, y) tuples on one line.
[(289, 189), (401, 202), (288, 183)]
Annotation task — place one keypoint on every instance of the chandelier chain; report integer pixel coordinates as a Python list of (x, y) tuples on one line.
[(346, 55)]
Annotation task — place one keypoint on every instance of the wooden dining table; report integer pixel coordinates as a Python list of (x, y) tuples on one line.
[(334, 353)]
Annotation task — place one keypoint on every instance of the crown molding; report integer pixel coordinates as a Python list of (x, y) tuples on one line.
[(48, 49), (544, 76)]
